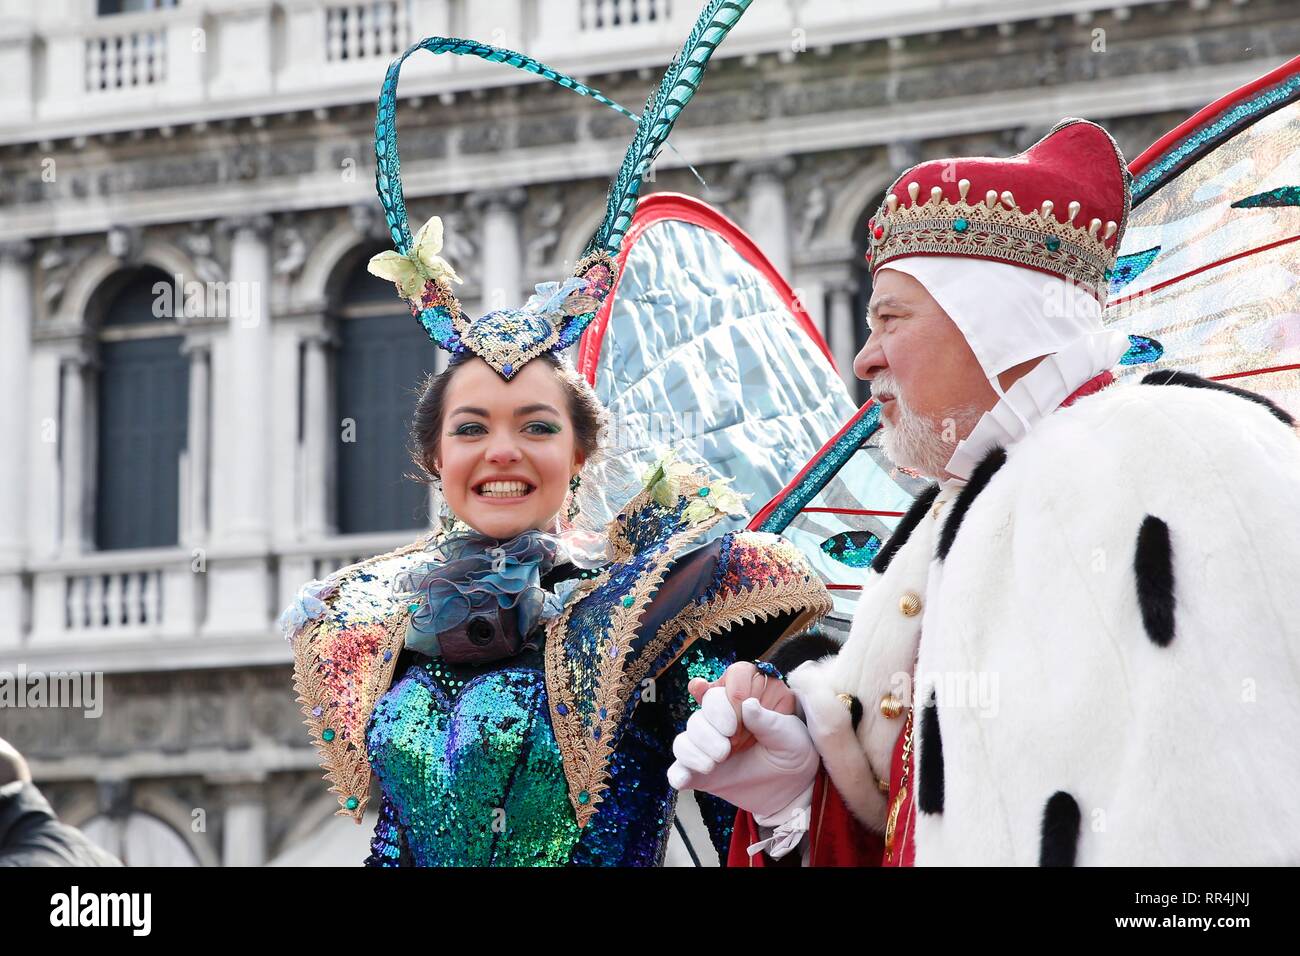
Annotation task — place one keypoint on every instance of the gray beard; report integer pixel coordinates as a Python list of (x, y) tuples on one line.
[(922, 445)]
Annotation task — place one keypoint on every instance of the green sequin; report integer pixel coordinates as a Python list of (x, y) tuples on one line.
[(495, 794)]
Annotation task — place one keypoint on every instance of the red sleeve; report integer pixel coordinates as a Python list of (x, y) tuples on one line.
[(835, 837)]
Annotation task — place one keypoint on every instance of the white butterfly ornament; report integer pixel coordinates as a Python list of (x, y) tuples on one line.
[(412, 271)]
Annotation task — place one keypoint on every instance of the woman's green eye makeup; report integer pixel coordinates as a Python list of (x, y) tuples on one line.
[(548, 428)]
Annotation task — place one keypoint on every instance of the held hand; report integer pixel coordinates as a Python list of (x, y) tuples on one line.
[(741, 681), (765, 779)]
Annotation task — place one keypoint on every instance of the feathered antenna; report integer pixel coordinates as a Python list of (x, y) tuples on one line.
[(388, 180), (679, 85), (423, 278)]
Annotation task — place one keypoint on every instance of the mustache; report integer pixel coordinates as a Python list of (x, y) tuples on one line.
[(884, 383)]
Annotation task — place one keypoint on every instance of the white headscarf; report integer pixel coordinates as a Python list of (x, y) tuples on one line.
[(1010, 314)]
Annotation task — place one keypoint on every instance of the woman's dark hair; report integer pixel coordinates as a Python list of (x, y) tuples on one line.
[(588, 414)]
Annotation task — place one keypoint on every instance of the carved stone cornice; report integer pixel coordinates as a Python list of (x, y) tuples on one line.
[(496, 200), (197, 346), (124, 242), (779, 168), (904, 154), (259, 224)]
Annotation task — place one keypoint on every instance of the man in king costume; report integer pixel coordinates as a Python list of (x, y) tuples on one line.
[(1081, 645)]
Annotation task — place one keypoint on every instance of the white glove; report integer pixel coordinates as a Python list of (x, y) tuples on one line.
[(772, 779)]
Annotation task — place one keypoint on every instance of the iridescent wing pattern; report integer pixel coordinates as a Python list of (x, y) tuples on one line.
[(1207, 267)]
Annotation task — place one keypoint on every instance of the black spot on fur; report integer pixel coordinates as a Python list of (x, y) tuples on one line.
[(855, 712), (1153, 563), (1060, 842), (1195, 381), (880, 563), (808, 646), (979, 479), (929, 794)]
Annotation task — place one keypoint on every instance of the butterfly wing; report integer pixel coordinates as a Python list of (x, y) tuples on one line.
[(840, 508), (703, 348), (1207, 264), (397, 268)]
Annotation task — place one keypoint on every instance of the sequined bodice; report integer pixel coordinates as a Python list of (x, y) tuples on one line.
[(471, 772), (468, 761)]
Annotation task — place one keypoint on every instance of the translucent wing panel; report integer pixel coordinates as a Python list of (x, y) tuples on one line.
[(841, 508), (701, 354), (1252, 327), (1208, 264)]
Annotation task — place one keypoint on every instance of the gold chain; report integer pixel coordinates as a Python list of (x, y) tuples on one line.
[(900, 798)]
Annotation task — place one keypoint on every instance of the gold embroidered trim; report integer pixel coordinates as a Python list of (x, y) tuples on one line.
[(484, 339), (344, 758), (586, 758), (760, 603), (995, 227)]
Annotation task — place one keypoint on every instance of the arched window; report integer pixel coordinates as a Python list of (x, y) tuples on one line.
[(142, 411), (383, 356), (140, 839)]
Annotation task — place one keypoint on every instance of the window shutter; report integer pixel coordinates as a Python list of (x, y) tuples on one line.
[(143, 414), (381, 362)]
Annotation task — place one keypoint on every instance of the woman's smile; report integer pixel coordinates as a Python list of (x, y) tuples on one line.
[(504, 491)]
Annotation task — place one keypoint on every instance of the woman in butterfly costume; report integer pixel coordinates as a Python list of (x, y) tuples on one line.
[(512, 684), (1081, 644)]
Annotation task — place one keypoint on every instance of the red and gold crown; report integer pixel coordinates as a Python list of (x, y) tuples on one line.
[(1009, 210)]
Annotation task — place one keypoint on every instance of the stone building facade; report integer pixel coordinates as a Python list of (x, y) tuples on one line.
[(176, 462)]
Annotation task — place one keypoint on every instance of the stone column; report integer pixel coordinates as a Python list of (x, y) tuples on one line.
[(77, 452), (195, 504), (16, 318), (319, 451), (501, 268), (16, 428), (810, 289), (238, 573), (243, 840), (244, 392), (768, 221), (847, 334)]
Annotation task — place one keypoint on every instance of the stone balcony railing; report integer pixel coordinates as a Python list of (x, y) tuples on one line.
[(125, 58), (158, 608), (69, 75), (141, 595), (313, 561)]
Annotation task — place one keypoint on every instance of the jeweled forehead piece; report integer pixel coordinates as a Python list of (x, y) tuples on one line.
[(556, 316), (1059, 207)]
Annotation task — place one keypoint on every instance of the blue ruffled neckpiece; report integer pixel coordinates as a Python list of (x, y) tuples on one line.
[(471, 574)]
